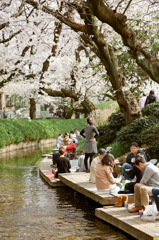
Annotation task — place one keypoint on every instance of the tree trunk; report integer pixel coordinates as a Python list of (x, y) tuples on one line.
[(148, 62), (32, 108), (77, 114), (127, 103), (86, 104)]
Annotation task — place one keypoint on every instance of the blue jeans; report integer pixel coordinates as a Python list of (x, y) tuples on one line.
[(155, 193), (126, 174)]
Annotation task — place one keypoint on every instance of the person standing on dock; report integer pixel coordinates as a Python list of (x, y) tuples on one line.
[(149, 181), (90, 132)]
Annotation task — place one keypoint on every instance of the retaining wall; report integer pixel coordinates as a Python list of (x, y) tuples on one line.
[(24, 145)]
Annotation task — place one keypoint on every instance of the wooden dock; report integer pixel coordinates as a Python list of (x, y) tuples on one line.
[(79, 181), (130, 223), (45, 172)]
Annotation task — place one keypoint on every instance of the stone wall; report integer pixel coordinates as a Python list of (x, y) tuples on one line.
[(24, 145)]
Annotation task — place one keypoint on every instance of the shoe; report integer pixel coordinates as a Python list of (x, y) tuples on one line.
[(87, 171), (135, 209), (119, 201)]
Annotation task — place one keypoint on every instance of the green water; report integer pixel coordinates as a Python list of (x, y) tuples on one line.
[(31, 210)]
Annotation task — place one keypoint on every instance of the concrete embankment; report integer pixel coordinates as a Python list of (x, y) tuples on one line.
[(25, 145)]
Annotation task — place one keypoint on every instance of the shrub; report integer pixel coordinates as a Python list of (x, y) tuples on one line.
[(132, 132), (108, 133), (153, 151), (22, 130), (151, 110), (150, 135), (118, 149)]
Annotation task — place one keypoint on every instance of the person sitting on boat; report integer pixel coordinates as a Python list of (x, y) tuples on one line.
[(93, 166), (63, 163), (104, 175), (150, 180)]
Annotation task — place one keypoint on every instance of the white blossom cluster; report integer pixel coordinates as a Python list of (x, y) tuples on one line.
[(25, 54)]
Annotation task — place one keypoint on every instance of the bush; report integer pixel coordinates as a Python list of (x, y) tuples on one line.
[(151, 110), (132, 132), (150, 137), (153, 151), (108, 133), (118, 149), (22, 130)]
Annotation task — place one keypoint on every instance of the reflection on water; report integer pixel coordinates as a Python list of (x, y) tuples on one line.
[(31, 210)]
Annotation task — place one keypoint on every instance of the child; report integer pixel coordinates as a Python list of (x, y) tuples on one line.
[(81, 161)]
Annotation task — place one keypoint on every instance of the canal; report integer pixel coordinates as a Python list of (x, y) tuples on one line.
[(31, 210)]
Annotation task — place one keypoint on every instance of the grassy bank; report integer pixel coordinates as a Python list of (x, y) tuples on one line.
[(22, 130)]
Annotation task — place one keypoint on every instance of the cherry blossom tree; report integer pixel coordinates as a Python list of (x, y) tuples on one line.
[(98, 25), (40, 55)]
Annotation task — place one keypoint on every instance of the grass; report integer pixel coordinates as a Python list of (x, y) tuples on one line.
[(106, 105), (103, 111)]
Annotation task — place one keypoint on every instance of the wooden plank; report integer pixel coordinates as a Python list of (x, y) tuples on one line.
[(45, 172), (79, 181), (130, 223)]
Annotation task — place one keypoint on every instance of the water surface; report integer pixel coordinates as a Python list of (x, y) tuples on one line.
[(31, 210)]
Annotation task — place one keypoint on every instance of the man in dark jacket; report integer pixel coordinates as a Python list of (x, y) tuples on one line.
[(150, 98), (130, 160), (130, 171)]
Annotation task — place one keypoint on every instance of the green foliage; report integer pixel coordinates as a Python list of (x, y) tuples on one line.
[(132, 132), (153, 151), (151, 110), (108, 133), (105, 105), (117, 149), (17, 101), (22, 130), (80, 145), (150, 135)]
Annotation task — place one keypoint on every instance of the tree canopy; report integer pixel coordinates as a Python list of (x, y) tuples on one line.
[(68, 48)]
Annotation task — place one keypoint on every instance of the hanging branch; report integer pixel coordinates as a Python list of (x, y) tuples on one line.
[(127, 6)]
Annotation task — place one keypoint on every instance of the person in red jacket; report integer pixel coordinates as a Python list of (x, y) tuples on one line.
[(71, 146)]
